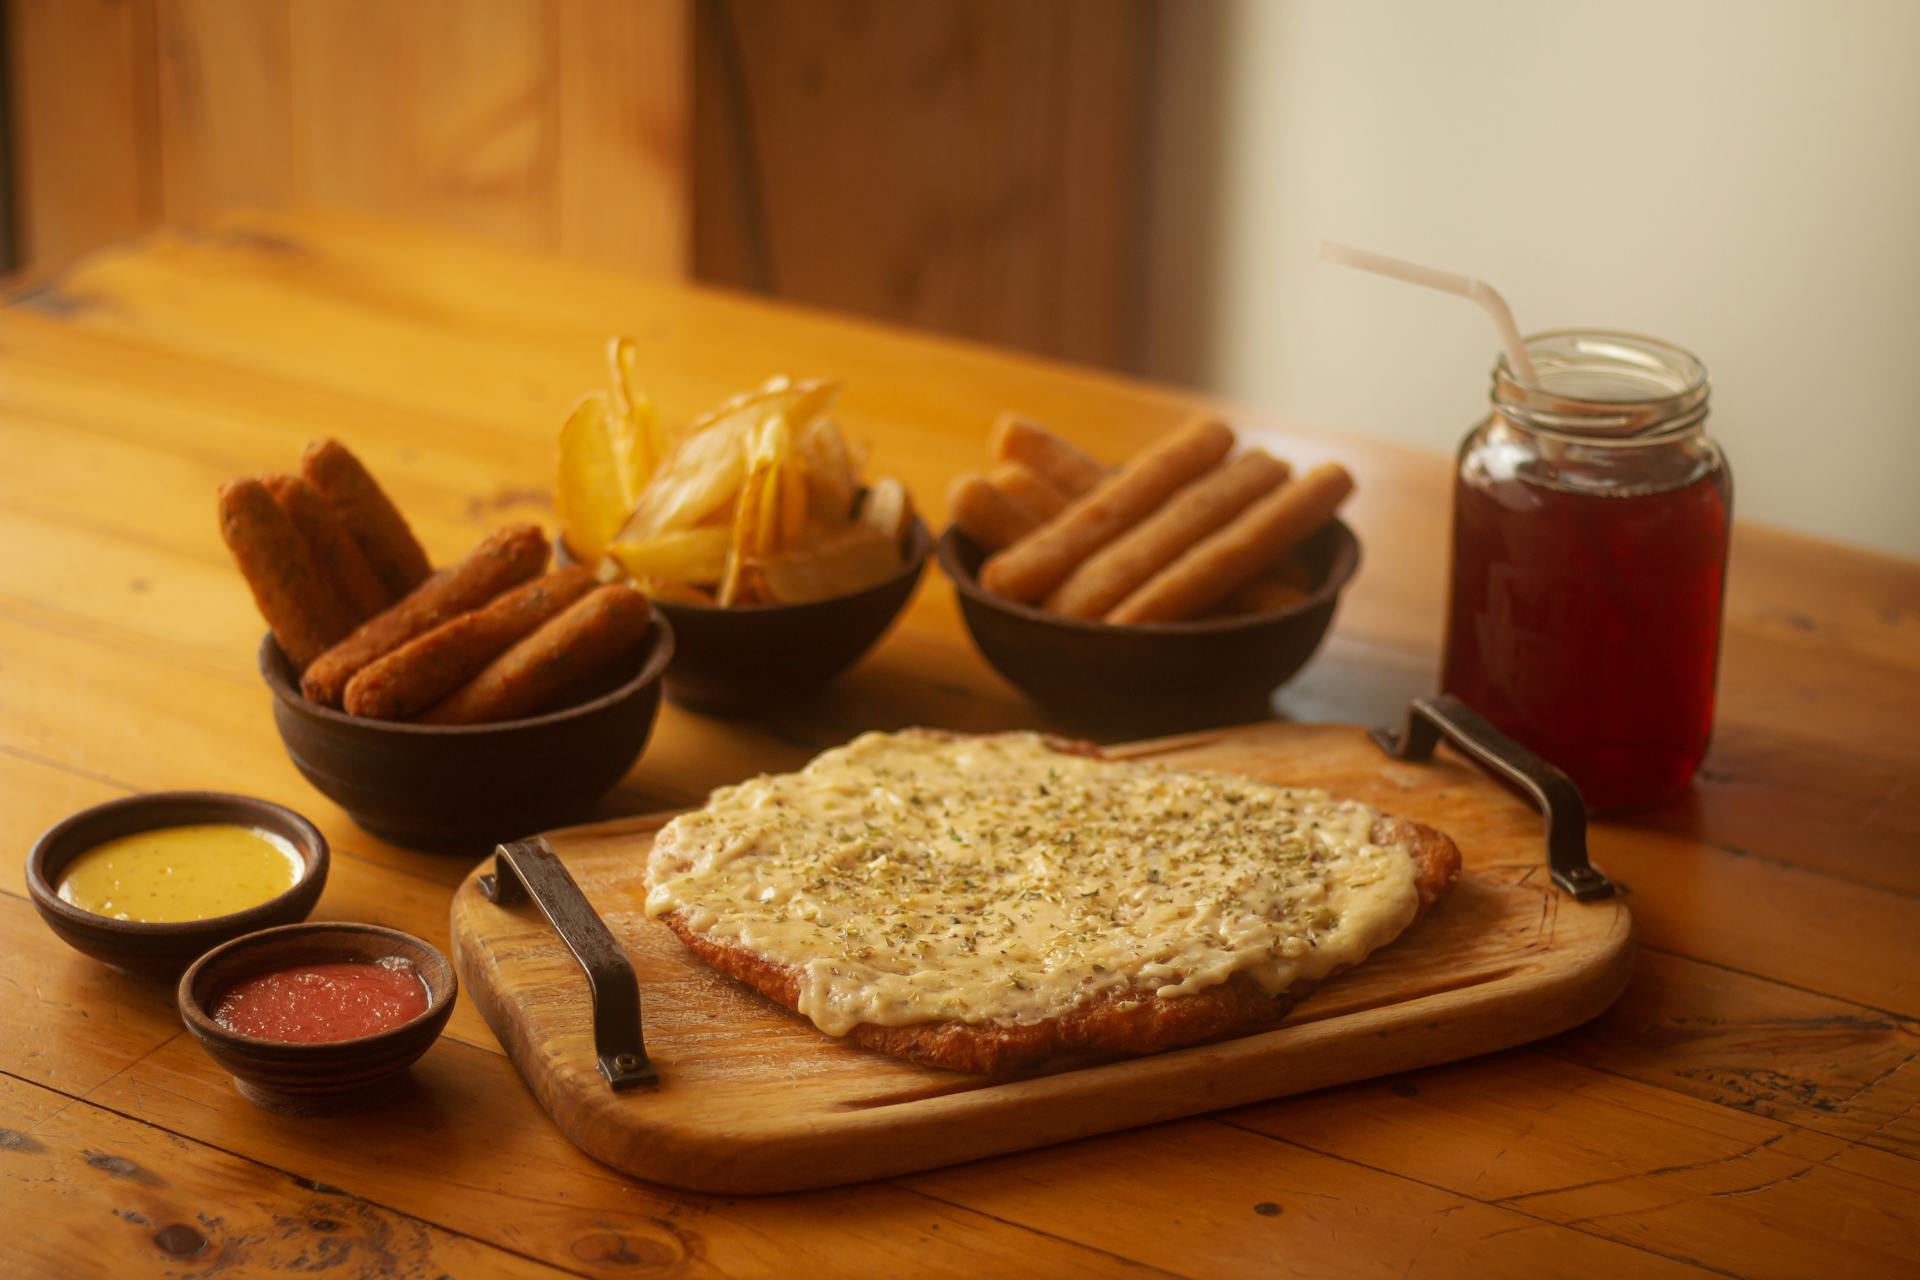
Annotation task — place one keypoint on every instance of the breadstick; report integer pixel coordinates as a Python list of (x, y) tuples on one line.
[(1289, 572), (1263, 594), (1030, 568), (370, 516), (1029, 491), (1111, 573), (1211, 569), (592, 634), (428, 667), (986, 515), (504, 559), (304, 609), (1062, 465), (335, 554)]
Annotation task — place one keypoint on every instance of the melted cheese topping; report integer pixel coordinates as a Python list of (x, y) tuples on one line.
[(911, 879)]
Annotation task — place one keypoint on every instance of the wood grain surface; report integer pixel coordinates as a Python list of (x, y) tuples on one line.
[(752, 1098), (1750, 1106)]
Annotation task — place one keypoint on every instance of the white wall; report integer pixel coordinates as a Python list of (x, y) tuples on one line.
[(1740, 177)]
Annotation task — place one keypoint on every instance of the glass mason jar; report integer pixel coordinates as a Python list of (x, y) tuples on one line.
[(1590, 524)]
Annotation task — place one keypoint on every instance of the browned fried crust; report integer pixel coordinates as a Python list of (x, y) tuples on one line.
[(406, 681), (369, 514), (504, 559), (589, 636), (1110, 1025), (305, 610)]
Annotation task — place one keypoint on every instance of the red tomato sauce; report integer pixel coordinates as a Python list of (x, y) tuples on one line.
[(315, 1003)]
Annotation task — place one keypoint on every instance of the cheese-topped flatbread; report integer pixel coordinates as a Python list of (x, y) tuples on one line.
[(990, 903)]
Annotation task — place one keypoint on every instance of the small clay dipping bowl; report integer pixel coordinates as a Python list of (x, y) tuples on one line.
[(161, 949), (465, 788), (1154, 677), (332, 1076), (742, 659)]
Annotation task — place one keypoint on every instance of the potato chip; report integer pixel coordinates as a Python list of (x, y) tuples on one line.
[(745, 533), (852, 560), (832, 479), (683, 555), (590, 483), (793, 502), (772, 453), (801, 402), (673, 592), (633, 409), (886, 509), (758, 501), (700, 475)]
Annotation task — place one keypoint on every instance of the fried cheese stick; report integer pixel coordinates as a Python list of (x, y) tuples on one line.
[(1029, 490), (593, 633), (305, 610), (504, 559), (1211, 569), (1111, 573), (1263, 594), (1064, 466), (370, 516), (337, 556), (405, 682), (986, 515), (1034, 566)]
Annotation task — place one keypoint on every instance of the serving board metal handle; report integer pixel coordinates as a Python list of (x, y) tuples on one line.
[(1553, 792), (531, 869)]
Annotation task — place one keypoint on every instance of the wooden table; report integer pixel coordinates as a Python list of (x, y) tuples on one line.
[(1748, 1108)]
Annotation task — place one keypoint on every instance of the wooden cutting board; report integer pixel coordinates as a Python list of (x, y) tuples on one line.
[(751, 1098)]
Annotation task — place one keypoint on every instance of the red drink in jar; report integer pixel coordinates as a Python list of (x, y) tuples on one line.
[(1590, 525)]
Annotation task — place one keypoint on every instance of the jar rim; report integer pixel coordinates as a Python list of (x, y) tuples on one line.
[(1675, 378)]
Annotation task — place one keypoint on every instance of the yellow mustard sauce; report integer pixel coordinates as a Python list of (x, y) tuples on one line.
[(910, 878), (181, 873)]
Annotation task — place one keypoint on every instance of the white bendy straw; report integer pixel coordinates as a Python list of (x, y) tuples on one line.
[(1447, 282)]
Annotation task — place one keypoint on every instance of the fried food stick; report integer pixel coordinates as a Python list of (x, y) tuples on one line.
[(1263, 594), (1062, 465), (1030, 568), (986, 515), (1111, 573), (305, 610), (504, 559), (405, 682), (595, 632), (1029, 490), (370, 516), (335, 554), (1214, 567)]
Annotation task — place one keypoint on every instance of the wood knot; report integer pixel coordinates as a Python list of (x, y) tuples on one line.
[(621, 1249), (180, 1241)]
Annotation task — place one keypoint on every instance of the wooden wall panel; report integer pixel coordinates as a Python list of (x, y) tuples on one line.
[(225, 106), (441, 110), (967, 165), (81, 91), (970, 166), (552, 124), (623, 180)]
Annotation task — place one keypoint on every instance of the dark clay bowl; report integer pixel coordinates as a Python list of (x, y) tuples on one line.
[(313, 1079), (162, 950), (1156, 676), (740, 660), (468, 787)]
